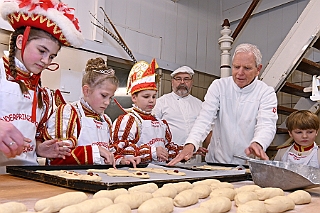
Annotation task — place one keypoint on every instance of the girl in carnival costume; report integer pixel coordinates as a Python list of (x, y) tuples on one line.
[(40, 28)]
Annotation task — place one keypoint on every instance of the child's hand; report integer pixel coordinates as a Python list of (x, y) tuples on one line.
[(107, 155), (53, 149), (162, 154), (133, 160)]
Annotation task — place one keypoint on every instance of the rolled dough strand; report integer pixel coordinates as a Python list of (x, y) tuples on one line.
[(157, 204), (300, 197), (217, 204), (180, 186), (225, 192), (186, 198), (148, 187), (202, 190), (268, 192), (134, 200), (116, 208), (55, 203), (12, 207), (112, 194), (197, 210), (88, 206), (279, 204), (244, 197), (165, 191), (253, 206), (206, 182)]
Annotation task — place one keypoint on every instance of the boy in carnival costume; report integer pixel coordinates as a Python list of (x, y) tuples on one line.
[(40, 28), (138, 133)]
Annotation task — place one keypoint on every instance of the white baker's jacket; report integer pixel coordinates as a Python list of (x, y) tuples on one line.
[(179, 112), (239, 116)]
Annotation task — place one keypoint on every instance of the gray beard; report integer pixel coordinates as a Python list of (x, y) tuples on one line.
[(182, 91)]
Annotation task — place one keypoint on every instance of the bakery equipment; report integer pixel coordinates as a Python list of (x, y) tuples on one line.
[(284, 175)]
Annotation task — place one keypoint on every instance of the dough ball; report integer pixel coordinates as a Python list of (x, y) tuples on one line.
[(254, 206), (197, 210), (180, 186), (202, 190), (225, 192), (217, 204), (247, 188), (157, 204), (165, 192), (205, 182), (243, 197), (12, 207), (134, 199), (300, 197), (116, 208), (88, 206), (112, 194), (186, 198), (55, 203), (269, 192), (148, 187), (221, 185), (279, 204)]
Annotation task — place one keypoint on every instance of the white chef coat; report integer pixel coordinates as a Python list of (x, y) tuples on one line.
[(180, 113), (240, 116), (16, 108)]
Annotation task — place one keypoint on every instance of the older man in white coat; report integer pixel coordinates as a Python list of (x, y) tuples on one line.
[(242, 109), (179, 108)]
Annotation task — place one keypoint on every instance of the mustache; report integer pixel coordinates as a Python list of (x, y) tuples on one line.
[(182, 86)]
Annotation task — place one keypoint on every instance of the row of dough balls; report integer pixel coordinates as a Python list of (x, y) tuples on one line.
[(149, 198)]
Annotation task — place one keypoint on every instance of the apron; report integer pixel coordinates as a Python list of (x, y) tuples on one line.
[(16, 108), (151, 133), (310, 160), (93, 131)]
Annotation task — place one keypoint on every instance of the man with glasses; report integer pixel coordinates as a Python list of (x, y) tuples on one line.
[(179, 108), (242, 111)]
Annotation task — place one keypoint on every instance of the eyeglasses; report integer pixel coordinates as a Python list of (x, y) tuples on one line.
[(186, 80)]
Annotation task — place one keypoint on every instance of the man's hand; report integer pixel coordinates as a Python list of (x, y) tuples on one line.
[(185, 154), (256, 149), (201, 151), (53, 149)]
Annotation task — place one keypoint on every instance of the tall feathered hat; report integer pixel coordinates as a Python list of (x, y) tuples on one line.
[(142, 76), (52, 16)]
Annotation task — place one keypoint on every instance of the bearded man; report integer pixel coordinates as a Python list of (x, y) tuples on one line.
[(179, 108)]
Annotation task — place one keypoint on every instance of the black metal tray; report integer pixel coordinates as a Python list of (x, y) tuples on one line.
[(30, 172)]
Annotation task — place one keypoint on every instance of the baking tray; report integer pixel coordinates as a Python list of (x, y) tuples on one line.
[(108, 183)]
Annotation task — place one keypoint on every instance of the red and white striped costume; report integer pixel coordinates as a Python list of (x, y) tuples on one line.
[(85, 130), (138, 134)]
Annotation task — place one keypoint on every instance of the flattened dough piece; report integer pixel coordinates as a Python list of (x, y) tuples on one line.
[(279, 204), (186, 198), (217, 204), (111, 194), (202, 190), (225, 192), (116, 208), (254, 206), (134, 199), (165, 191), (157, 204), (55, 203), (12, 207), (148, 187), (88, 206), (268, 192), (244, 197), (300, 197), (247, 188)]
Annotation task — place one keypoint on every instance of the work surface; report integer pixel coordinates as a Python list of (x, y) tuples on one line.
[(29, 191)]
